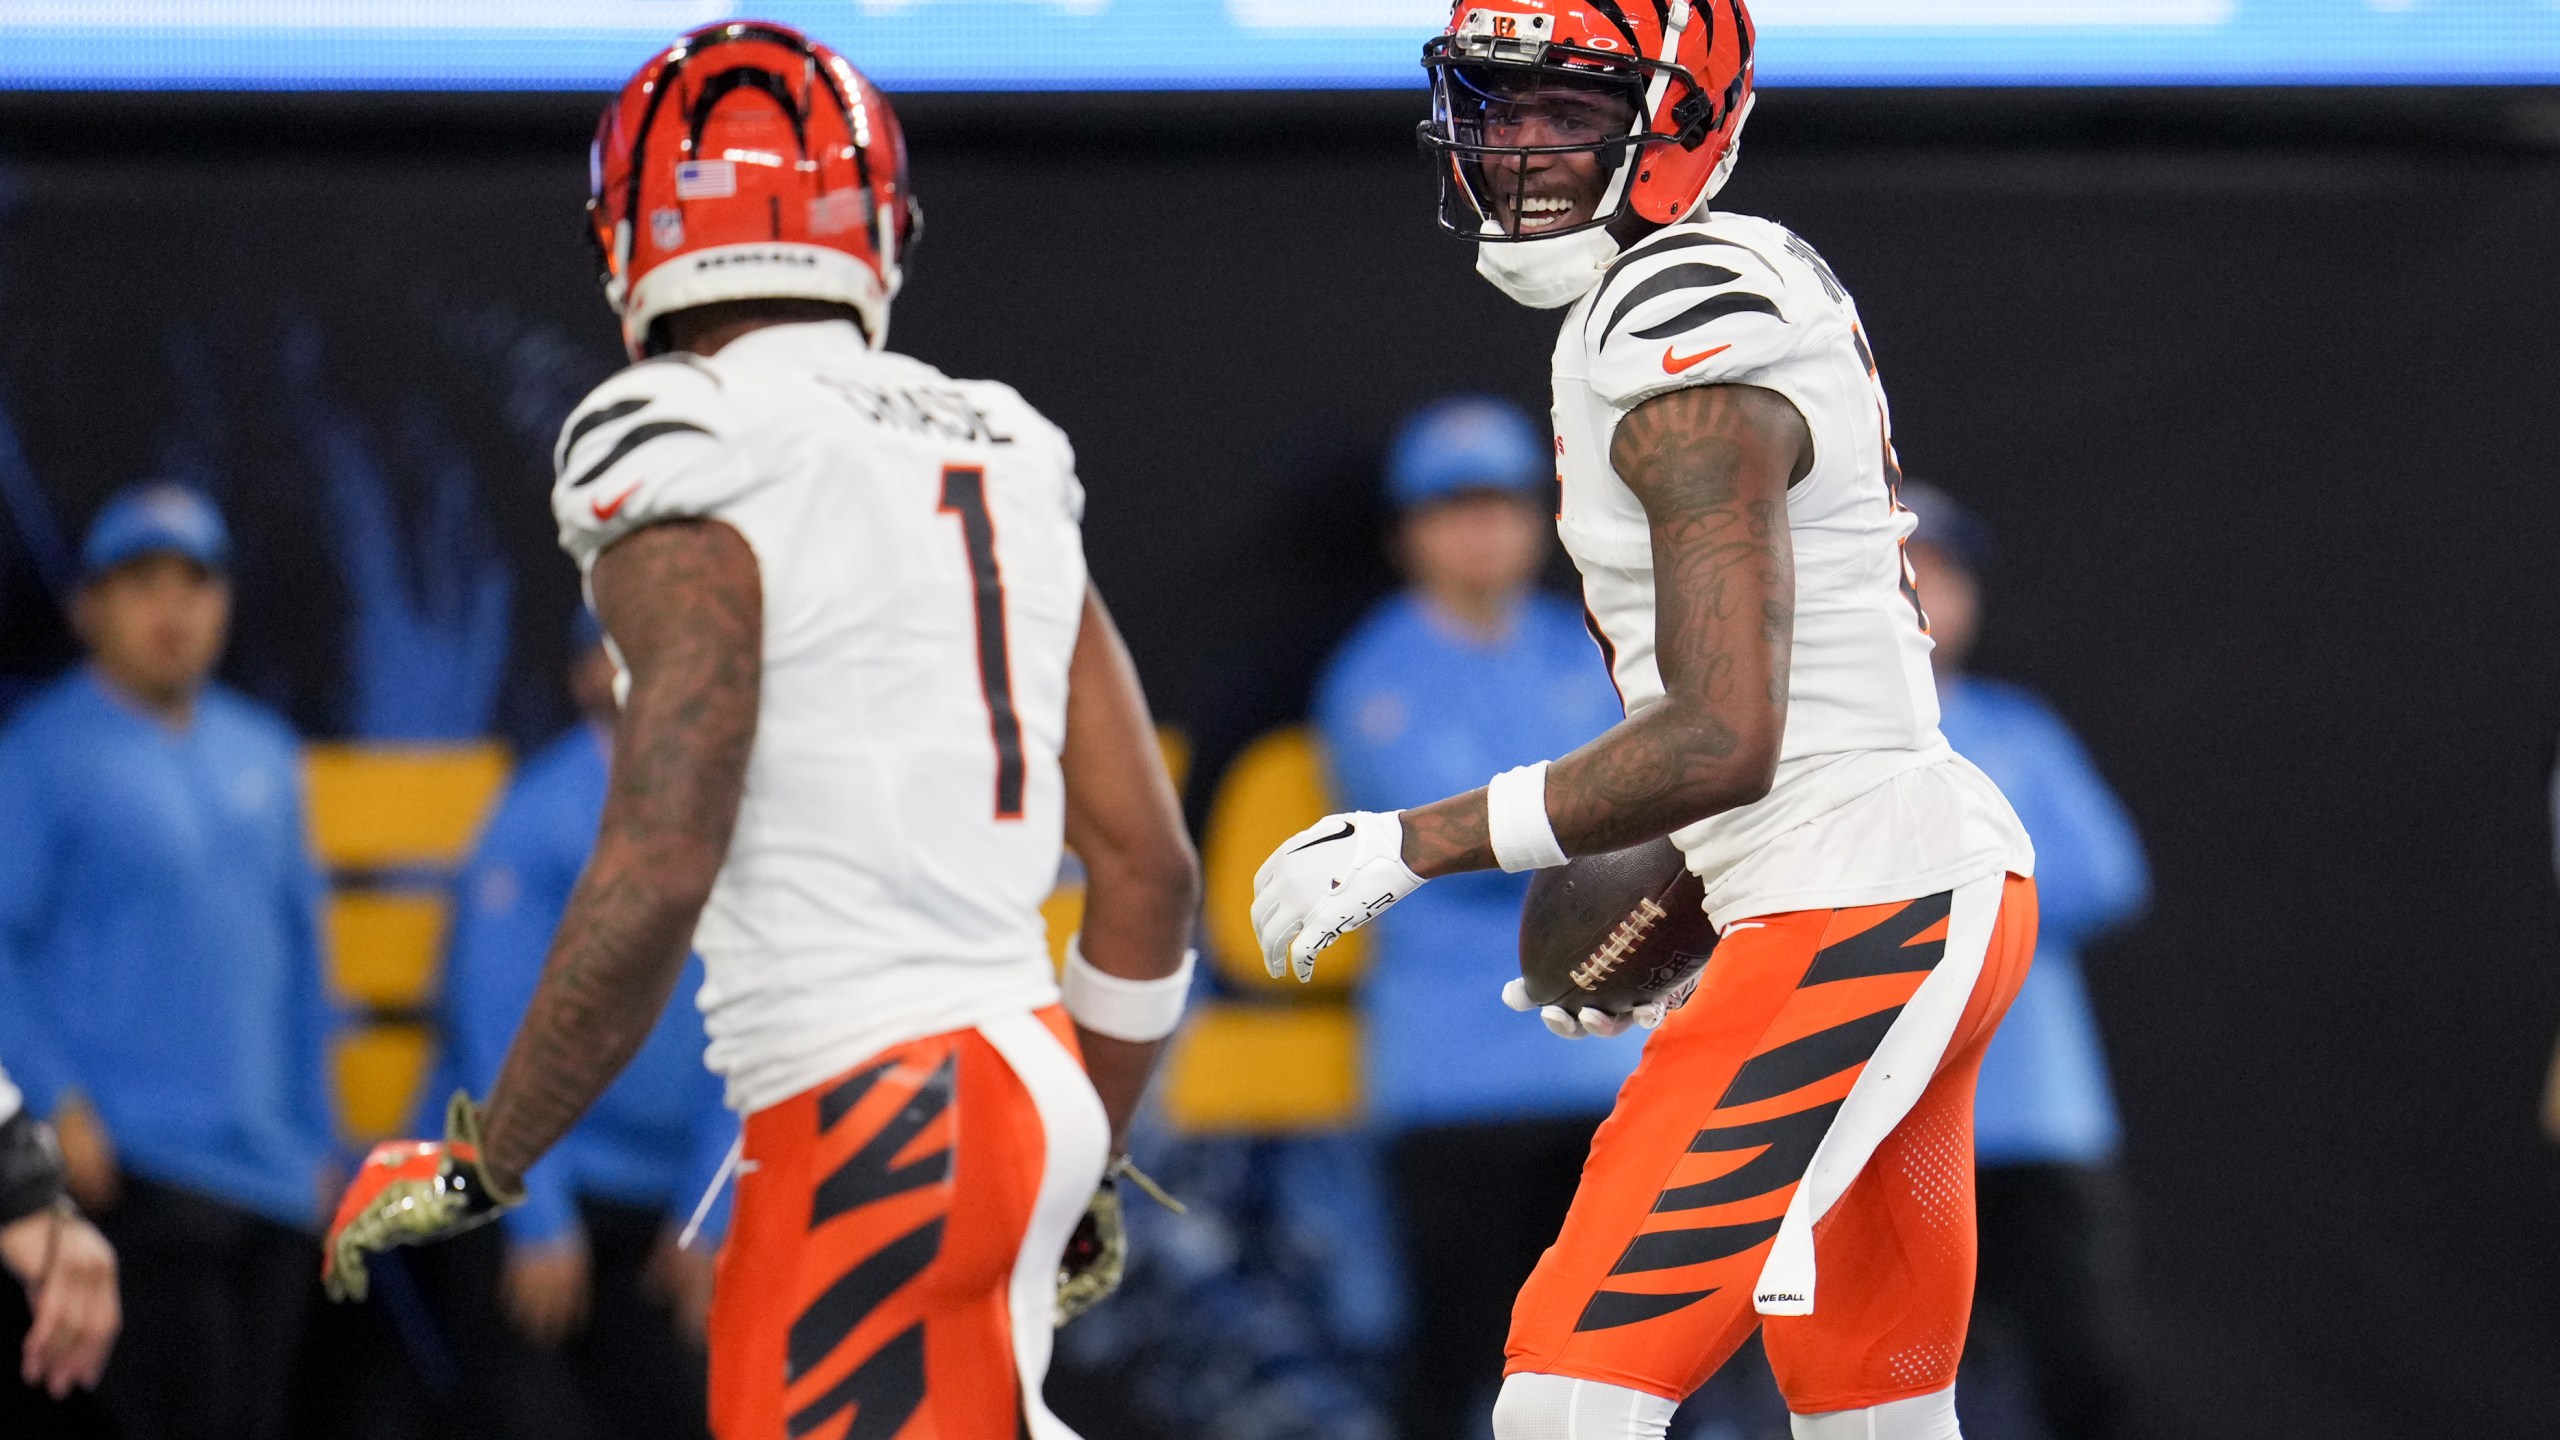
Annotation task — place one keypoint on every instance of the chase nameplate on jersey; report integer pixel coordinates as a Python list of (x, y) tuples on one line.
[(933, 413)]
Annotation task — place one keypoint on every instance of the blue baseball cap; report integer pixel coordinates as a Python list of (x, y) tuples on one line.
[(153, 518), (1468, 442), (1946, 523)]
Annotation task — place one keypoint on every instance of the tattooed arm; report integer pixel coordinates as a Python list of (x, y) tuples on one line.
[(684, 602), (1712, 465), (1142, 883)]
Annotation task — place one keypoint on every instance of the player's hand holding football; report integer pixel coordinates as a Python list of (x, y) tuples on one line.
[(1325, 882), (409, 1192), (1584, 1024)]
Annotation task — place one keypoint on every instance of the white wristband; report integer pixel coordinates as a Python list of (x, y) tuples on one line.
[(1516, 814), (1138, 1011)]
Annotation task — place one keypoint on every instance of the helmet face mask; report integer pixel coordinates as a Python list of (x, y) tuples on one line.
[(1534, 151), (1552, 117)]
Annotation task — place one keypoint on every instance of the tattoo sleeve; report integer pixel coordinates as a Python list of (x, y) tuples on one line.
[(1712, 466), (684, 603)]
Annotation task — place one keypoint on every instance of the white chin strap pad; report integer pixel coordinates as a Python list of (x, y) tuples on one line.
[(1732, 151), (1922, 1417), (1552, 273), (1554, 1407)]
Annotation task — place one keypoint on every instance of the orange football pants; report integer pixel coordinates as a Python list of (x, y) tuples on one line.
[(892, 1258), (1651, 1284)]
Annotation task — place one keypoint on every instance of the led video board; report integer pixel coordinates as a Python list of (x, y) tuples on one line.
[(1250, 44)]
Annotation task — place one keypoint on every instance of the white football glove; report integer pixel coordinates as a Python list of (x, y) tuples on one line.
[(1582, 1025), (1325, 882)]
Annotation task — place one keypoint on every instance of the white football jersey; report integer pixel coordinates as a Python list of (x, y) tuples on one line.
[(922, 557), (1869, 804)]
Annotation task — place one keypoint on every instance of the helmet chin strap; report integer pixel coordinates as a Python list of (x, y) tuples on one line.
[(1732, 156), (1549, 274)]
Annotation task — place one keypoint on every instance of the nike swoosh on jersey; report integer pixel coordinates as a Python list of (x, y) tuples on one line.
[(1344, 833), (1673, 362), (605, 510)]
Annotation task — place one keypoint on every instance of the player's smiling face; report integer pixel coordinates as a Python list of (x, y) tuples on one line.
[(1535, 194)]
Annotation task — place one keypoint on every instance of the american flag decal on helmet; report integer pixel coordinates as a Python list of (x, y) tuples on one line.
[(706, 179)]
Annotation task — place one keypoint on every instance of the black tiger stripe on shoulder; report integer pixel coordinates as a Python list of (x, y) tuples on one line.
[(632, 439), (1714, 307), (1655, 246), (585, 425), (1646, 249), (1668, 280)]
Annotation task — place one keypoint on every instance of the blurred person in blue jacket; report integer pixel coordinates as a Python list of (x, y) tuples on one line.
[(1470, 670), (2054, 1281), (162, 991), (580, 1314)]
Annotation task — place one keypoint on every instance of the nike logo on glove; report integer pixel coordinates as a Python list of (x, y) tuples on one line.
[(1673, 364), (606, 511), (1343, 834)]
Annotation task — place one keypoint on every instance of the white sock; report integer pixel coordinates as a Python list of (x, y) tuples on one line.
[(1922, 1417), (1554, 1407)]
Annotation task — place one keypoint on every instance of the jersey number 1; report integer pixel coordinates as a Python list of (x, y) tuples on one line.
[(964, 493)]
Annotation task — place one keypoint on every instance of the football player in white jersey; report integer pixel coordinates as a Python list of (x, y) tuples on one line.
[(1728, 474), (869, 693)]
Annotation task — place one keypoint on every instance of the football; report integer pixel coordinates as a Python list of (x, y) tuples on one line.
[(1611, 932)]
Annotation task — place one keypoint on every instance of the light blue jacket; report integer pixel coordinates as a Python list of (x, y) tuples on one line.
[(160, 940), (1412, 710), (2045, 1096)]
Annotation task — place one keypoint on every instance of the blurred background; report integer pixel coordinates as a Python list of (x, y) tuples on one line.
[(2232, 320)]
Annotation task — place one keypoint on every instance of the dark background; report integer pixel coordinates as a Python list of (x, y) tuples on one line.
[(2257, 391)]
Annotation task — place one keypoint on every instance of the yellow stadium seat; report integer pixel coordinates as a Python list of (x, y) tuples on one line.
[(380, 1068), (1275, 788), (410, 808), (379, 807), (389, 945), (1264, 1070), (1064, 911)]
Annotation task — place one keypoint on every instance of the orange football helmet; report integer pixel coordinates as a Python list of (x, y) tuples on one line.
[(746, 162), (1680, 69)]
